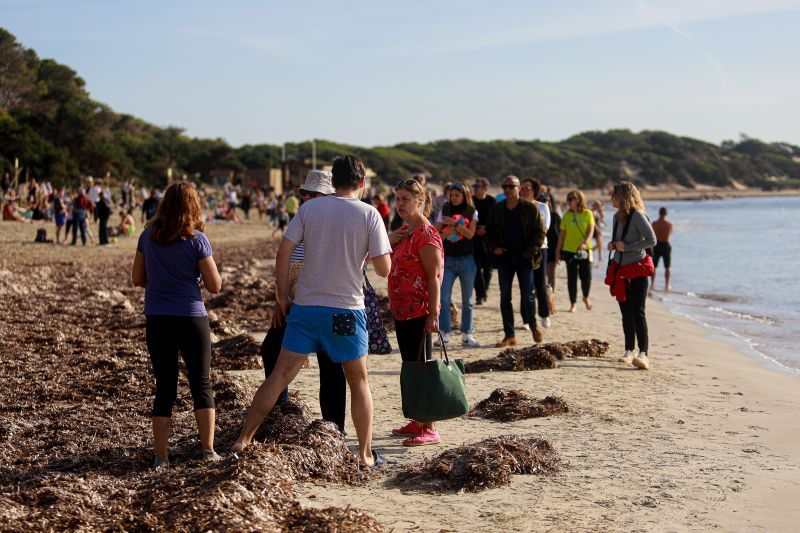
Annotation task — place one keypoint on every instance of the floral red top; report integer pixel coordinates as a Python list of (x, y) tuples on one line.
[(408, 285)]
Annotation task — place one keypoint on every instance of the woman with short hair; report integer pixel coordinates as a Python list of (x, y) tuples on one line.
[(172, 257)]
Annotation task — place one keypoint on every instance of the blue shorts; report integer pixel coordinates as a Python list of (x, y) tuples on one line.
[(341, 333)]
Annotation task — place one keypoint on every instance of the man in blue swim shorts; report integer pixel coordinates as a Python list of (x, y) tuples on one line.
[(327, 313)]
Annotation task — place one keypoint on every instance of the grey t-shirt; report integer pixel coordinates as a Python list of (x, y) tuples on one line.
[(338, 234), (640, 235)]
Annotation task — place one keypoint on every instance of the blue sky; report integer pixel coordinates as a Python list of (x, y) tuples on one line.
[(377, 73)]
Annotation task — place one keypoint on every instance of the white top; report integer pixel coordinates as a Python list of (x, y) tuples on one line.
[(93, 193), (545, 211), (338, 234)]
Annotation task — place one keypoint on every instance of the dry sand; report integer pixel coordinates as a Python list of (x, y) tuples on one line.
[(706, 439)]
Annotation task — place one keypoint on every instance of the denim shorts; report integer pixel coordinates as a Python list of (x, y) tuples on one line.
[(341, 333)]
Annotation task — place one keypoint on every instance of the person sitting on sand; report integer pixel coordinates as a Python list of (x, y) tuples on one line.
[(631, 268), (328, 310), (414, 288), (172, 256), (575, 247), (10, 212), (663, 249), (127, 225), (332, 383)]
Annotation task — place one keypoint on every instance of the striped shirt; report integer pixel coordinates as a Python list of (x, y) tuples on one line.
[(298, 254)]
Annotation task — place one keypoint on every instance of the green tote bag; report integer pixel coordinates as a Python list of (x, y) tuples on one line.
[(433, 390)]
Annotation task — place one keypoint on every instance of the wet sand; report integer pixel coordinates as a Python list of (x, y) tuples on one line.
[(705, 439)]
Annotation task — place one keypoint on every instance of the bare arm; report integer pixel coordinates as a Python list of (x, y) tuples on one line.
[(285, 249), (431, 259), (211, 278), (468, 232), (561, 236), (138, 272), (382, 265)]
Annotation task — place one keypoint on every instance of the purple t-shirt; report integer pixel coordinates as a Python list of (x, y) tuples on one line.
[(173, 277)]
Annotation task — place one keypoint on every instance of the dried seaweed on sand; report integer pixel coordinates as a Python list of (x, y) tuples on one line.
[(538, 356), (506, 405), (486, 464), (241, 352)]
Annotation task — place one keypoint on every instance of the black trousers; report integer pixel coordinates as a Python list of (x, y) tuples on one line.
[(411, 336), (508, 266), (577, 268), (190, 336), (634, 321), (483, 277), (332, 383), (103, 231)]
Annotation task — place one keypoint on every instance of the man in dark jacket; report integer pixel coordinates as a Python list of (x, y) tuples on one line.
[(515, 234)]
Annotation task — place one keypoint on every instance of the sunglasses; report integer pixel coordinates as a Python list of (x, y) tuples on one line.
[(507, 186), (457, 186), (406, 183), (309, 194)]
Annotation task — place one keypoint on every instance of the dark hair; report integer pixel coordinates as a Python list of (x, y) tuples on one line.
[(662, 212), (348, 172), (178, 215)]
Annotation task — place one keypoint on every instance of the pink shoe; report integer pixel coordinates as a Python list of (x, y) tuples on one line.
[(412, 428), (427, 436)]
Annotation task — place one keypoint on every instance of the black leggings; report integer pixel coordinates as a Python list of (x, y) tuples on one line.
[(166, 337), (410, 335), (332, 383), (634, 321), (576, 268)]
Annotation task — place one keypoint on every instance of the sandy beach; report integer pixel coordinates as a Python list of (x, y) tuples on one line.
[(706, 439)]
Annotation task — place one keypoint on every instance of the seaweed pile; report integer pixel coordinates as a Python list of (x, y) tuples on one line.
[(537, 356), (75, 444), (484, 465), (240, 352), (507, 405)]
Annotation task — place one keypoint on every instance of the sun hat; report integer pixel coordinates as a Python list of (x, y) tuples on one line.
[(320, 181)]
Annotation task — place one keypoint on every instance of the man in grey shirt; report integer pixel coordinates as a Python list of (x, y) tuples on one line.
[(328, 314)]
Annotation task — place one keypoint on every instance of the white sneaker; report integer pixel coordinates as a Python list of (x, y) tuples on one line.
[(546, 322), (445, 336), (526, 327), (627, 358), (469, 340), (641, 361)]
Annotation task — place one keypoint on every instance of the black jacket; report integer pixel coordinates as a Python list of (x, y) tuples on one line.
[(533, 230)]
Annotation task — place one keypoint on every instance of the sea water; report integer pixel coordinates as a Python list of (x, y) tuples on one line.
[(736, 270)]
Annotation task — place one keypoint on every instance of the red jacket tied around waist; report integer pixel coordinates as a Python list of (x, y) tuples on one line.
[(618, 277)]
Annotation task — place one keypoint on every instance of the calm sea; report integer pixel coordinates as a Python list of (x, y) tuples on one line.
[(736, 270)]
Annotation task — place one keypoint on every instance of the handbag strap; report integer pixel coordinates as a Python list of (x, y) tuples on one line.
[(442, 350)]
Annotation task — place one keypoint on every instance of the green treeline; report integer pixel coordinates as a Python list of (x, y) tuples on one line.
[(49, 122)]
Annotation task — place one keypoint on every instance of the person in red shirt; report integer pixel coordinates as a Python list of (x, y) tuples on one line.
[(380, 203), (80, 207), (414, 288)]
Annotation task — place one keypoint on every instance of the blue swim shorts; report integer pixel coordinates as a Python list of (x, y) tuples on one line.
[(341, 333)]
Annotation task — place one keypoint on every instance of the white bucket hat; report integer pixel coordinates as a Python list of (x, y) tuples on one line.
[(320, 181)]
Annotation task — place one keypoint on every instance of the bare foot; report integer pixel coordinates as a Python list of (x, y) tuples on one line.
[(588, 304), (573, 308), (238, 447)]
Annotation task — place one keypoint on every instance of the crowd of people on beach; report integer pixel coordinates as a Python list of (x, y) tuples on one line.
[(430, 241)]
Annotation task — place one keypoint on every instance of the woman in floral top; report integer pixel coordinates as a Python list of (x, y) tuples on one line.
[(414, 288)]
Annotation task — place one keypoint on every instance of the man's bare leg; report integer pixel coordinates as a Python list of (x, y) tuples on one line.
[(286, 369), (667, 276), (355, 372)]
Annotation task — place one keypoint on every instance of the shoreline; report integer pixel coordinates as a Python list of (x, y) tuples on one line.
[(705, 439)]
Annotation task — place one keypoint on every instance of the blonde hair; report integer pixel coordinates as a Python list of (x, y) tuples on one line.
[(579, 197), (415, 188), (629, 199)]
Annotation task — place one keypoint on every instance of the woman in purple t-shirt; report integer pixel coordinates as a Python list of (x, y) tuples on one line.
[(172, 257)]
